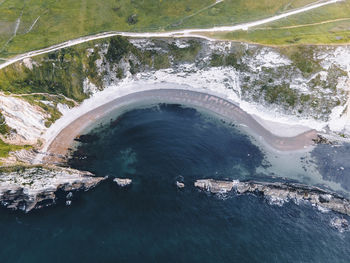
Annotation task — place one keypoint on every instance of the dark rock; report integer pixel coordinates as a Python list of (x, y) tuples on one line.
[(278, 193), (88, 138), (321, 140)]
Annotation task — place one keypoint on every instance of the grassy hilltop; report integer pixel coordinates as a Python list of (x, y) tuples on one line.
[(32, 24), (325, 25)]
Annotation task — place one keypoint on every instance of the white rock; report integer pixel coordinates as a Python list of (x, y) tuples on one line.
[(341, 224), (26, 188), (179, 184), (122, 182), (89, 87), (26, 119)]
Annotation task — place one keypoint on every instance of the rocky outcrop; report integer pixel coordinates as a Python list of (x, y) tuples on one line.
[(27, 121), (278, 193), (214, 186), (341, 224), (36, 187), (180, 185), (322, 140), (122, 182)]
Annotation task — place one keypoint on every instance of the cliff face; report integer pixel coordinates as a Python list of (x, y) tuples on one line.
[(307, 85), (302, 84), (27, 121), (36, 187)]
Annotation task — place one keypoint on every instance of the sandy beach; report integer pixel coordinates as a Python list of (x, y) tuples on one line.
[(225, 109)]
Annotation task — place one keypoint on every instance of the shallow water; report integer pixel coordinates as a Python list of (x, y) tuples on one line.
[(153, 221)]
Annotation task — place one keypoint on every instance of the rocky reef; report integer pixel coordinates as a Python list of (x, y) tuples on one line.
[(122, 182), (27, 188), (279, 193), (180, 185), (341, 224)]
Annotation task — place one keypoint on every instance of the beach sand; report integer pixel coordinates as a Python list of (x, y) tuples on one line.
[(59, 147)]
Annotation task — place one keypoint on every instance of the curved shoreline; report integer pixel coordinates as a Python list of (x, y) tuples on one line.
[(59, 146)]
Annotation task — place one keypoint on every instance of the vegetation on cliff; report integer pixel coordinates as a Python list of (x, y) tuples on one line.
[(295, 81), (4, 128), (5, 148)]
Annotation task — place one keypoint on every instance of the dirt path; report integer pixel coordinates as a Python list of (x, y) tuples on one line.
[(305, 25), (18, 22), (179, 22), (32, 26)]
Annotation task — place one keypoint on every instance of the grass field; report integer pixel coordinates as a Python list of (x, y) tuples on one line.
[(325, 25), (32, 24), (5, 148)]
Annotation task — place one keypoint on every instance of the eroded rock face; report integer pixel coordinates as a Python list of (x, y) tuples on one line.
[(26, 119), (122, 182), (35, 187), (278, 193)]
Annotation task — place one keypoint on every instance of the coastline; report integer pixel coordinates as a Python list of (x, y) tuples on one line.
[(57, 145)]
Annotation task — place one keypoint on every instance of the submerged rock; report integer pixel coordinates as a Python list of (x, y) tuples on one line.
[(180, 184), (278, 193), (341, 224), (86, 138), (122, 182), (69, 195), (27, 188), (322, 140)]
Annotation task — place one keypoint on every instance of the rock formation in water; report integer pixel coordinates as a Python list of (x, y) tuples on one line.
[(180, 184), (341, 224), (122, 182), (36, 187), (278, 193)]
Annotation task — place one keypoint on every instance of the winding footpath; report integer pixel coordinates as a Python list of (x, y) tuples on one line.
[(179, 33)]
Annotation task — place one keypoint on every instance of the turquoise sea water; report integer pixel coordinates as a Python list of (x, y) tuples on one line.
[(152, 220)]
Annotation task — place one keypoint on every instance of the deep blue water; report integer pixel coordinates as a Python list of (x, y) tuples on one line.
[(153, 221)]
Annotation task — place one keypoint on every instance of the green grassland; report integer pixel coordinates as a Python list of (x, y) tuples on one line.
[(326, 25), (63, 72), (60, 72), (5, 148), (4, 129), (62, 20)]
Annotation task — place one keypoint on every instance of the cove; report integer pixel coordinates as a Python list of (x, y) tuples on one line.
[(153, 220), (216, 105)]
